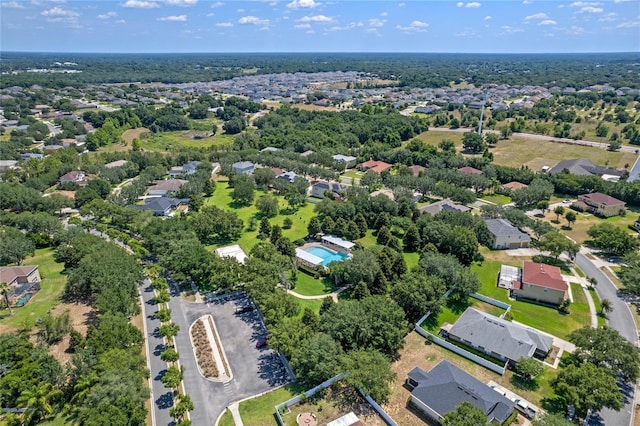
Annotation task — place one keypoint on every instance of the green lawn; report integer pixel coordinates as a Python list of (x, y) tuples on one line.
[(306, 285), (314, 304), (596, 301), (537, 316), (369, 240), (226, 419), (260, 411), (454, 309), (170, 141), (51, 289), (222, 199), (411, 259), (498, 199)]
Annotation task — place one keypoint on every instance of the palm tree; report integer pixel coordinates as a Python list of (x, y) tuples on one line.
[(606, 306), (37, 402), (4, 290)]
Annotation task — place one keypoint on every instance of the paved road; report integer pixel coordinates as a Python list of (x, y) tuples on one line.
[(162, 397), (634, 174), (620, 319)]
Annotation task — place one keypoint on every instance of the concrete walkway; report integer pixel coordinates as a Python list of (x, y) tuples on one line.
[(333, 295), (235, 412)]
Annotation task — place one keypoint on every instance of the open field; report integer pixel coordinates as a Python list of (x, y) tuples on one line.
[(51, 290), (541, 317), (417, 353), (222, 199), (309, 286), (168, 141)]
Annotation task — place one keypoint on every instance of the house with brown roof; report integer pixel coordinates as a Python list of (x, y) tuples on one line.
[(164, 187), (469, 170), (20, 279), (513, 186), (541, 283), (75, 176), (376, 166), (601, 204)]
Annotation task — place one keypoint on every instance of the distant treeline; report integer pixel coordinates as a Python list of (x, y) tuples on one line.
[(409, 69)]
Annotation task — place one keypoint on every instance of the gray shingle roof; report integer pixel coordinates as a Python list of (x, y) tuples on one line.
[(502, 337), (583, 167), (445, 386), (502, 227), (435, 208)]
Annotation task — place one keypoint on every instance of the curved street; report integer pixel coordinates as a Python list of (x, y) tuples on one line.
[(623, 321)]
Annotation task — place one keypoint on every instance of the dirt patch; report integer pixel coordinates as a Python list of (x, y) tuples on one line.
[(82, 315), (129, 135)]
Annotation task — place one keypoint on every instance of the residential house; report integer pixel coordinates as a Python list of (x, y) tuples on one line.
[(29, 155), (541, 283), (499, 338), (508, 188), (428, 109), (270, 149), (186, 169), (164, 187), (440, 390), (243, 167), (116, 164), (506, 236), (601, 204), (509, 275), (337, 243), (416, 170), (376, 166), (583, 167), (319, 189), (288, 176), (21, 279), (469, 170), (8, 165), (74, 176), (162, 206), (446, 204), (346, 159)]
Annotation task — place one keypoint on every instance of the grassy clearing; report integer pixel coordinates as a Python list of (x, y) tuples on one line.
[(313, 304), (51, 290), (537, 316), (518, 151), (170, 141), (306, 285), (222, 199), (226, 419), (434, 137), (259, 411), (498, 199)]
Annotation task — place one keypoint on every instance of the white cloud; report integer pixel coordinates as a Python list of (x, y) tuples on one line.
[(526, 2), (487, 18), (585, 3), (591, 9), (216, 4), (401, 4), (107, 15), (575, 30), (58, 12), (12, 5), (121, 21), (469, 5), (622, 1), (349, 26), (536, 16), (316, 18), (303, 4), (302, 26), (548, 22), (174, 18), (414, 26), (629, 24), (608, 17), (141, 4), (224, 24), (510, 30), (377, 23), (252, 20), (466, 33), (183, 3), (384, 14)]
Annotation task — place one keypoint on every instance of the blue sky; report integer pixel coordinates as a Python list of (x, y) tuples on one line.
[(505, 26)]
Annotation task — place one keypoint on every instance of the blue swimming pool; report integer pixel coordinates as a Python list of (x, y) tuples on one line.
[(327, 255), (23, 299)]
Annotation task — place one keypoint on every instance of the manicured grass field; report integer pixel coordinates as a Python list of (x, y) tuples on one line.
[(498, 199), (49, 295), (259, 411), (309, 286), (434, 137), (544, 318), (313, 304), (226, 419), (222, 199), (168, 141)]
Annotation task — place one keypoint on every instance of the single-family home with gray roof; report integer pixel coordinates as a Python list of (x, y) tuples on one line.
[(446, 204), (506, 236), (440, 390), (243, 167), (499, 338), (161, 206)]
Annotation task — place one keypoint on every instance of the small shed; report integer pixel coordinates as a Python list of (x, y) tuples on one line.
[(509, 274)]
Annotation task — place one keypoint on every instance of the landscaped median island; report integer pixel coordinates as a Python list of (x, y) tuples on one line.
[(212, 362)]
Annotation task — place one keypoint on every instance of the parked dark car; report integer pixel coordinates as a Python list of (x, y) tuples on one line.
[(244, 308), (262, 342)]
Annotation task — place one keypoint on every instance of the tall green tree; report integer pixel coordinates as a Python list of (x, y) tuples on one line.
[(316, 360), (370, 371), (465, 414)]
